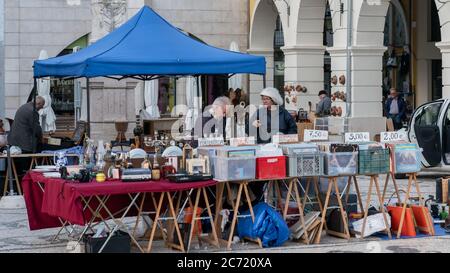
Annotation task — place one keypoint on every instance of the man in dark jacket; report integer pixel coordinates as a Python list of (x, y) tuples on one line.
[(213, 122), (395, 108), (324, 105), (26, 122)]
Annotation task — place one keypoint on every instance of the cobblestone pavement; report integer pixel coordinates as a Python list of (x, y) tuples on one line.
[(15, 235)]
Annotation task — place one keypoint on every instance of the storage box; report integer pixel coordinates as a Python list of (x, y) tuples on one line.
[(271, 167), (301, 127), (293, 149), (405, 158), (241, 151), (234, 168), (334, 125), (374, 161), (374, 223), (120, 242), (305, 164), (341, 163), (210, 152)]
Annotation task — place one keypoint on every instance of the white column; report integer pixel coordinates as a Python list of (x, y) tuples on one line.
[(366, 87), (445, 50), (256, 81), (304, 66)]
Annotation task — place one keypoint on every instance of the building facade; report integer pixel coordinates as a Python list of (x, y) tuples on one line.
[(59, 26), (383, 44)]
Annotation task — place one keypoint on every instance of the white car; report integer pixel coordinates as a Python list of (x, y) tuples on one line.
[(430, 129)]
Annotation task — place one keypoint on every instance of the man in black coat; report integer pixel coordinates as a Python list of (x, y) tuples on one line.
[(26, 122)]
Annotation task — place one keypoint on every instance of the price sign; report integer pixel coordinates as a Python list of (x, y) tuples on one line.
[(242, 141), (357, 137), (315, 135), (215, 141), (277, 139), (387, 137)]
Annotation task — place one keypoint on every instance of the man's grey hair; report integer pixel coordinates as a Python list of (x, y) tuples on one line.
[(40, 99), (222, 101)]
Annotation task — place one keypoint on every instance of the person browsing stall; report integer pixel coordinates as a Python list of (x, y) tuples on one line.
[(395, 108), (214, 120), (263, 121), (324, 105), (26, 122)]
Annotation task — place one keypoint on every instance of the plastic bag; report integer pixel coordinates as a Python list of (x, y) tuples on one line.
[(269, 226)]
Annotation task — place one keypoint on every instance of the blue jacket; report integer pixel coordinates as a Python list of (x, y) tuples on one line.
[(401, 107), (286, 124)]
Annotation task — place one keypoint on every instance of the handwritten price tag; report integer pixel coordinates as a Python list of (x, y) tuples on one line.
[(242, 141), (387, 137), (357, 137), (315, 135)]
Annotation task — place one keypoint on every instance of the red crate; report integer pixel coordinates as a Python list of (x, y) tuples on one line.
[(271, 167)]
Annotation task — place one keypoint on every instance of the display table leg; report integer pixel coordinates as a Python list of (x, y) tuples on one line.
[(324, 212), (402, 218), (300, 210), (380, 199), (235, 214), (346, 234)]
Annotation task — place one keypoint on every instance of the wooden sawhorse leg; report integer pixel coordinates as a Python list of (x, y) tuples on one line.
[(332, 181), (391, 175), (16, 177), (412, 178), (293, 186), (158, 218), (374, 181), (195, 218), (243, 186)]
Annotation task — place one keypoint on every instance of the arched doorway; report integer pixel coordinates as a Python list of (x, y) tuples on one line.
[(266, 35), (397, 59)]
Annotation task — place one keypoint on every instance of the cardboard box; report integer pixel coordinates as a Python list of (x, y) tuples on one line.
[(301, 127)]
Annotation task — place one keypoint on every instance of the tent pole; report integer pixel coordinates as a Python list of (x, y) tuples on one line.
[(175, 96), (88, 106), (33, 139), (264, 80), (198, 95)]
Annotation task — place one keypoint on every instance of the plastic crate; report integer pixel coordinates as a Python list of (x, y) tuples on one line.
[(210, 152), (271, 167), (305, 164), (234, 168), (241, 151), (374, 161), (405, 158), (345, 163)]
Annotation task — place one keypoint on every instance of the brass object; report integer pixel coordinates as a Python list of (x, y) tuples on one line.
[(188, 153), (121, 128)]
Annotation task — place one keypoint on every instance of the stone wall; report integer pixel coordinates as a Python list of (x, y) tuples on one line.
[(34, 25)]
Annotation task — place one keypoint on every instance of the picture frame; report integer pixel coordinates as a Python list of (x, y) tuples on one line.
[(197, 165)]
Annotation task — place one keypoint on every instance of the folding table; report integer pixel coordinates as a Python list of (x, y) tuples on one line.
[(89, 203)]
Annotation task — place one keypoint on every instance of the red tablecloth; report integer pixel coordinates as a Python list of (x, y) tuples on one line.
[(63, 199)]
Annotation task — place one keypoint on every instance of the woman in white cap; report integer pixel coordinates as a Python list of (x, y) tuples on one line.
[(272, 105)]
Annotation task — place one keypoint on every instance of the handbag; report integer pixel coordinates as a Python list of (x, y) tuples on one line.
[(409, 226), (424, 220)]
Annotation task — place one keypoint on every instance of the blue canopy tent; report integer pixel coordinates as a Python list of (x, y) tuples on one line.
[(145, 48)]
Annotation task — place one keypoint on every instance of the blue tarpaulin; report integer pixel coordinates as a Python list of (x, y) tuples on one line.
[(149, 45), (269, 226)]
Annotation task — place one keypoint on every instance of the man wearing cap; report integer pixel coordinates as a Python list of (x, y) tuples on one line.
[(265, 119), (324, 105)]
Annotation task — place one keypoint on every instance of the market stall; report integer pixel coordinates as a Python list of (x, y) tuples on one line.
[(145, 48)]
